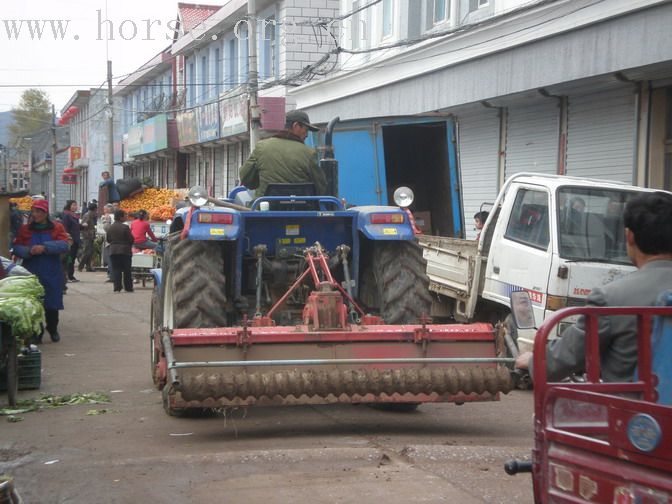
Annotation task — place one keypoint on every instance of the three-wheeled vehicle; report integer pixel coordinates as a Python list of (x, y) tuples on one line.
[(605, 442)]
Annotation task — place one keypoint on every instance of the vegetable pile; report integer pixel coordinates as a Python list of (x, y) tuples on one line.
[(21, 305), (24, 204), (162, 213), (155, 201)]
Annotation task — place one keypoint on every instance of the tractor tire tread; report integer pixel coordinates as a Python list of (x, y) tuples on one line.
[(198, 283)]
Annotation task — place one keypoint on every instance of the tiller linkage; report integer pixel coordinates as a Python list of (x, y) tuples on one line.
[(338, 354)]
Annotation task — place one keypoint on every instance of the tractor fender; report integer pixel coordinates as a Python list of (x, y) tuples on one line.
[(206, 231), (399, 232), (158, 275)]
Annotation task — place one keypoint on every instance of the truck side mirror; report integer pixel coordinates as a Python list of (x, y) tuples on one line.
[(521, 309)]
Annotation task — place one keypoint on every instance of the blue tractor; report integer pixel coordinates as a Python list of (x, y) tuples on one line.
[(301, 299)]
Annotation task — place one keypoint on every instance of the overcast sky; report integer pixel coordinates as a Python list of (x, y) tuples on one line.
[(76, 53)]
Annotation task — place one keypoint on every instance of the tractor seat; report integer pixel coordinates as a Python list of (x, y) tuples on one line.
[(300, 189)]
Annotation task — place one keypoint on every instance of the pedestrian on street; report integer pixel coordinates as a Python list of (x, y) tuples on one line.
[(106, 220), (40, 243), (284, 159), (120, 238), (112, 191), (648, 235), (70, 220), (88, 235), (143, 236)]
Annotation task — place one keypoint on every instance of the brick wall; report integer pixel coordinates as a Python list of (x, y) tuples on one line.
[(304, 45)]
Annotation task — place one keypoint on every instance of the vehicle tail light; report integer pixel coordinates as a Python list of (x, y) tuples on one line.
[(215, 218), (387, 218)]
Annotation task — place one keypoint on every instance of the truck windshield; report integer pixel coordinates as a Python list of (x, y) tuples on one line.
[(591, 227)]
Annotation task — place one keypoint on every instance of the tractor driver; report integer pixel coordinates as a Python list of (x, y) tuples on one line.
[(284, 158), (648, 236)]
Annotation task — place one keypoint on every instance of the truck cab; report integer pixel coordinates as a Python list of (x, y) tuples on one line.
[(555, 237)]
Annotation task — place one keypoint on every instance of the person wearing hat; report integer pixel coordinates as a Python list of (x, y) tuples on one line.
[(40, 243), (284, 158)]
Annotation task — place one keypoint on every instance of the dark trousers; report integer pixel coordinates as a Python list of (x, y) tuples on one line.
[(87, 254), (51, 317), (71, 261), (121, 266)]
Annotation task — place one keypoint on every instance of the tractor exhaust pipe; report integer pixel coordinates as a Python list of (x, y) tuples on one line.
[(328, 163)]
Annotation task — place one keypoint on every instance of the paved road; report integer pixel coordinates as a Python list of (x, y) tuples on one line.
[(341, 453)]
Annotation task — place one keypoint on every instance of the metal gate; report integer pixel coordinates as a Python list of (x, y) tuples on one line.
[(532, 138), (478, 160), (601, 135)]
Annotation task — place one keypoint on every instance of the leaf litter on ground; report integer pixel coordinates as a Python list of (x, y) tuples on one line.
[(49, 401)]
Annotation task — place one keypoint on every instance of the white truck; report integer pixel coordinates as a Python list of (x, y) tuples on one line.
[(555, 237)]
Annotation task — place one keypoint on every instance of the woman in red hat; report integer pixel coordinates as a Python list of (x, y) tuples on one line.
[(40, 243)]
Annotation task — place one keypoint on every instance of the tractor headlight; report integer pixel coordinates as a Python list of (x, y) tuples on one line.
[(403, 197), (198, 196)]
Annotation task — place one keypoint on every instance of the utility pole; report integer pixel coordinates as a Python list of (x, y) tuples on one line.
[(52, 174), (110, 123), (252, 73)]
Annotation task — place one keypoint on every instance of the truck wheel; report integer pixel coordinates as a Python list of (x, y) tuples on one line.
[(397, 285), (396, 282), (195, 283)]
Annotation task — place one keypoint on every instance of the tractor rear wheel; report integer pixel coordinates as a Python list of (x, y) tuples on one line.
[(197, 283), (395, 282)]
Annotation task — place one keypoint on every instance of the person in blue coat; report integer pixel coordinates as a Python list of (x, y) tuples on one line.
[(40, 243)]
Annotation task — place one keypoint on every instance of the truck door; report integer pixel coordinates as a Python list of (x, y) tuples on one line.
[(521, 254), (361, 165)]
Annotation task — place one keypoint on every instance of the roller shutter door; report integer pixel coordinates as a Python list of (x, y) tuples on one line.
[(601, 135), (532, 138), (478, 148), (219, 172)]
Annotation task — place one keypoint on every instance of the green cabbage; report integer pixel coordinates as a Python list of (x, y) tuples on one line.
[(24, 286), (21, 305)]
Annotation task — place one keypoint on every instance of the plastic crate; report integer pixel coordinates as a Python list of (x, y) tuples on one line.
[(143, 261), (29, 370)]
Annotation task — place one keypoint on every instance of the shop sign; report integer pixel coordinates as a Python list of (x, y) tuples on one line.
[(135, 140), (187, 127), (233, 116), (208, 122), (155, 134), (69, 179), (74, 153)]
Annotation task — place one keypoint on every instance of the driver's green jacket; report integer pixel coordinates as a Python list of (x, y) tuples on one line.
[(282, 160)]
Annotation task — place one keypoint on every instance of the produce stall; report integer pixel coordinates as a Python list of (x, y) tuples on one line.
[(160, 204)]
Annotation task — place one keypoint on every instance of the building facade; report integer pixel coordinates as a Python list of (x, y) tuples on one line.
[(86, 115), (575, 87), (206, 111)]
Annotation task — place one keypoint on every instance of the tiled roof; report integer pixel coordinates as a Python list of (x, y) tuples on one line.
[(191, 15)]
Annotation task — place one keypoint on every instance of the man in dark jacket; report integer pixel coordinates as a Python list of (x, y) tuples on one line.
[(88, 234), (284, 159), (112, 191), (121, 240), (70, 220)]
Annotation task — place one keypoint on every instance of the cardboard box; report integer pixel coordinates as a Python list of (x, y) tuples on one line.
[(424, 221)]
